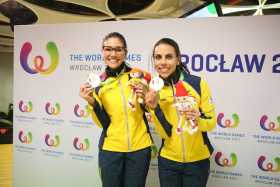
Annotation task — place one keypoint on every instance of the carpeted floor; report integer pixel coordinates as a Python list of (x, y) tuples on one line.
[(6, 162)]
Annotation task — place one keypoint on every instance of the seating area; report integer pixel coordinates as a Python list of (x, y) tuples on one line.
[(6, 132), (6, 126)]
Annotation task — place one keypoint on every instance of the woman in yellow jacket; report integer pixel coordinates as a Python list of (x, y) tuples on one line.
[(124, 146), (183, 112)]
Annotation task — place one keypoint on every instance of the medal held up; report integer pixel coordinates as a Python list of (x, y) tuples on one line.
[(93, 80), (183, 101)]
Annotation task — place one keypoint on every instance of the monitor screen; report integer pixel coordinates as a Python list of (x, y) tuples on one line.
[(208, 9)]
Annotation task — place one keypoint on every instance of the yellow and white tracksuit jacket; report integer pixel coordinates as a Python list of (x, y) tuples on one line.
[(184, 147), (124, 129)]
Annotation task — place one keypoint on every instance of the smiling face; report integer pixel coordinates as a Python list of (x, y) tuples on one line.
[(114, 52), (165, 60)]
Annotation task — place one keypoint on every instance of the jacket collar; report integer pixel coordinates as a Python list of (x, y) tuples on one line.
[(116, 72), (174, 77)]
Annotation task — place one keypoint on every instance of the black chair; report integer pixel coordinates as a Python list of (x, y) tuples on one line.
[(6, 131)]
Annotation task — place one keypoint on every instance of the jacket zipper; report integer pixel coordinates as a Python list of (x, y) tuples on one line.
[(126, 115), (182, 134)]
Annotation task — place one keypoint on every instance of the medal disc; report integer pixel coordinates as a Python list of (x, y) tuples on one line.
[(156, 83), (93, 80)]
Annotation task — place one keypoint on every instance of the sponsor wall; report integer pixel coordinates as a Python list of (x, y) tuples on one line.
[(55, 141)]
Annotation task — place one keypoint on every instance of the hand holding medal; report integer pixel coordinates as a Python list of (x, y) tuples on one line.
[(152, 95), (156, 83), (86, 89), (93, 80)]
